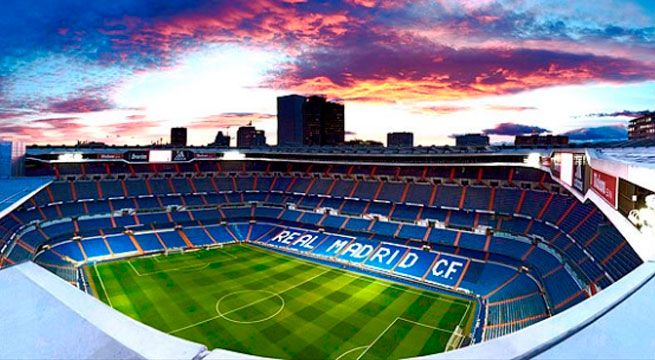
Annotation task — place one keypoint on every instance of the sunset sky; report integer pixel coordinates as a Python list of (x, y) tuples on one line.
[(124, 72)]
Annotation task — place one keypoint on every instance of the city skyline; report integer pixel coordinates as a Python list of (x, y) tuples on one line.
[(126, 72)]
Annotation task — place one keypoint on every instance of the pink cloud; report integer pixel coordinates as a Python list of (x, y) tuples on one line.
[(80, 104)]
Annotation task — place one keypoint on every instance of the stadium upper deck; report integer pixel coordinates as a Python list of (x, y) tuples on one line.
[(535, 231)]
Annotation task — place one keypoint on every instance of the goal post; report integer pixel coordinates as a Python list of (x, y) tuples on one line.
[(456, 338), (173, 251)]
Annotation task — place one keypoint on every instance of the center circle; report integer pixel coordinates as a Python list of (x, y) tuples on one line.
[(249, 306)]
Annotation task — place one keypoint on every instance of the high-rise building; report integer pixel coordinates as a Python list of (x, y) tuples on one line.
[(12, 154), (309, 121), (248, 136), (400, 139), (642, 128), (178, 136), (290, 120), (332, 123), (472, 140), (221, 140)]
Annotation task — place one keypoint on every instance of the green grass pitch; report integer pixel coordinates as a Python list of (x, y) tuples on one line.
[(251, 300)]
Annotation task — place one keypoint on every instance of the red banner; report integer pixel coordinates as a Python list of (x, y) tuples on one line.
[(604, 185)]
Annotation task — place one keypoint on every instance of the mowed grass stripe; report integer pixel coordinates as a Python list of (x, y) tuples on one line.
[(327, 311), (139, 299)]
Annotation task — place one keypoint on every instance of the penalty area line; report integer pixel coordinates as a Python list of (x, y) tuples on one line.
[(102, 284), (183, 268), (369, 346)]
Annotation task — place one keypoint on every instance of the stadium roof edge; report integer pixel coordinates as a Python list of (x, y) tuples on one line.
[(15, 191)]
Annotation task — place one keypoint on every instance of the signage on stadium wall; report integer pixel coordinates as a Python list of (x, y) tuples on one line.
[(604, 185), (440, 268), (579, 172), (137, 156), (109, 156), (182, 155), (205, 156)]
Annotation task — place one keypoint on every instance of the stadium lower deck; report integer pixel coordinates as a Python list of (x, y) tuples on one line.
[(246, 299), (508, 238)]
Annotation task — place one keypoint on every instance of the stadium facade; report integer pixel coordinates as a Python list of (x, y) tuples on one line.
[(526, 234)]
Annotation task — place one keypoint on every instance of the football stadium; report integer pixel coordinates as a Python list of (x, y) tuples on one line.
[(297, 253), (327, 179)]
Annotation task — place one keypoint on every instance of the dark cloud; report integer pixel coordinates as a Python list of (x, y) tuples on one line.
[(623, 113), (596, 134), (512, 129)]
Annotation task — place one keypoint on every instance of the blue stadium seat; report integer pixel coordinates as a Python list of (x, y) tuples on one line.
[(95, 247), (220, 234), (182, 186), (357, 224), (405, 212), (384, 228), (477, 198), (392, 191), (343, 188), (172, 239), (111, 189), (448, 195), (506, 200), (321, 186), (419, 193), (120, 244), (149, 242), (70, 249), (366, 190), (414, 232)]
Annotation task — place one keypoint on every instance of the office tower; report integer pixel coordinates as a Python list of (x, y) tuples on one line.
[(248, 136), (309, 121)]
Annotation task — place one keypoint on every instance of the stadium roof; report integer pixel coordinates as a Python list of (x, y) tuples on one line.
[(15, 191), (641, 156)]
